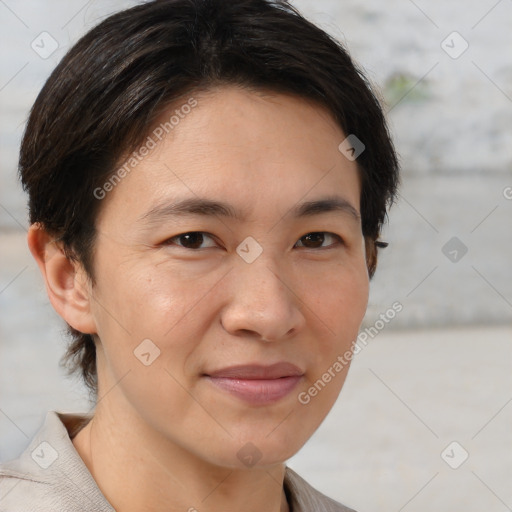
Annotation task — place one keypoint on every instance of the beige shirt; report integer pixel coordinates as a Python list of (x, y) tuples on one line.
[(50, 476)]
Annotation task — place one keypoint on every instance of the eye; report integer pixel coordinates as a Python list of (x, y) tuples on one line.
[(190, 240), (316, 239)]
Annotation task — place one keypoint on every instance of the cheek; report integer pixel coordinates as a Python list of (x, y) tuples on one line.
[(139, 295), (148, 331), (151, 302), (352, 299), (338, 305), (339, 295)]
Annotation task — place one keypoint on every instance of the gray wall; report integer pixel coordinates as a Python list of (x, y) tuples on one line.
[(410, 393), (450, 114)]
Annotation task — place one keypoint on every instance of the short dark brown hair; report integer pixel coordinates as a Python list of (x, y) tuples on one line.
[(107, 92)]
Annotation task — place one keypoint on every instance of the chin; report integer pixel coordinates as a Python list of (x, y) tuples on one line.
[(251, 451), (266, 450)]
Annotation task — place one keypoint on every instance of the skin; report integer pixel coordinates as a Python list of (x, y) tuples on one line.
[(163, 438)]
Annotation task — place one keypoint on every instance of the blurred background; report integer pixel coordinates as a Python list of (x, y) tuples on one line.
[(423, 422)]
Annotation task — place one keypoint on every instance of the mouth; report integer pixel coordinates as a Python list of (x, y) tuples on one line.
[(257, 384)]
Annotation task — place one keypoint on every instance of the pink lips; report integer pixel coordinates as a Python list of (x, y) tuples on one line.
[(257, 384)]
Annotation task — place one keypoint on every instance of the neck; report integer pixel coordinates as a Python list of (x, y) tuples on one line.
[(157, 475)]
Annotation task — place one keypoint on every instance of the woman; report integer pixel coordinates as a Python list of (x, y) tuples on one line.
[(207, 184)]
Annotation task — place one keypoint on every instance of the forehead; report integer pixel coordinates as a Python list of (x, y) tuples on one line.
[(250, 149)]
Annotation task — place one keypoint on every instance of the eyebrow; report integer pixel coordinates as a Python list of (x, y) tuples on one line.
[(209, 207)]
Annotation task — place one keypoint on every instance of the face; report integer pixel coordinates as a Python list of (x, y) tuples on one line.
[(230, 276)]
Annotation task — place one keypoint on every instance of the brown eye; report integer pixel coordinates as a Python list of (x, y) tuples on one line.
[(316, 240), (191, 240)]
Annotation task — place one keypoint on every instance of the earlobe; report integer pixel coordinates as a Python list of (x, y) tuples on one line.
[(67, 284)]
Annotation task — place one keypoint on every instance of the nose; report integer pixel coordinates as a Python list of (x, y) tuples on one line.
[(262, 303)]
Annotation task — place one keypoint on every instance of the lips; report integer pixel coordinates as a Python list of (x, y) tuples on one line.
[(257, 384), (275, 371)]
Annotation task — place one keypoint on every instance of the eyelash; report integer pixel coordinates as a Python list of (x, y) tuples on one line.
[(339, 240)]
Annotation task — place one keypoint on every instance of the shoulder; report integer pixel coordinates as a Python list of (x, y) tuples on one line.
[(49, 475), (20, 491), (304, 498)]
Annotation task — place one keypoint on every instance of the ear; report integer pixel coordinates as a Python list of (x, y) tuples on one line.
[(67, 283)]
